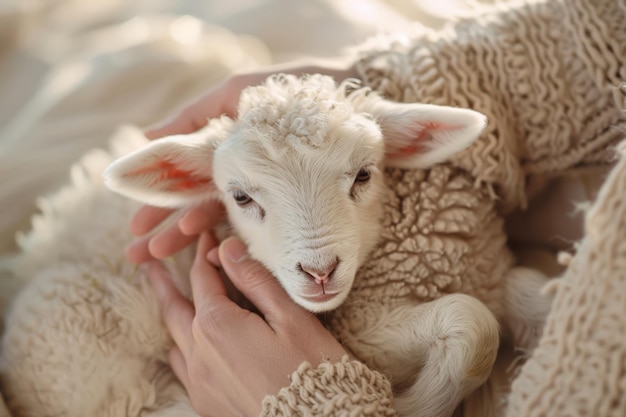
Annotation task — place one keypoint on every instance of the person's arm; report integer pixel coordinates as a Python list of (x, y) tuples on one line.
[(223, 98), (280, 362)]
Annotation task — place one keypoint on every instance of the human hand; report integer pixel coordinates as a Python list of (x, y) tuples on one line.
[(229, 358), (182, 228), (223, 98)]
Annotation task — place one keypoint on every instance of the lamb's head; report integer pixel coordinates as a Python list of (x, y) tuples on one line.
[(300, 174)]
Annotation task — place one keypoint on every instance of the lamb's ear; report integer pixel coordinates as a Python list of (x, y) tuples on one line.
[(170, 172), (422, 135)]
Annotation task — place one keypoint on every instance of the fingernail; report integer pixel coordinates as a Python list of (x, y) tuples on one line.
[(214, 257), (235, 249)]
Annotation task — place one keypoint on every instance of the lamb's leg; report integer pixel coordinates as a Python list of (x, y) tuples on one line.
[(526, 306), (525, 310), (437, 353)]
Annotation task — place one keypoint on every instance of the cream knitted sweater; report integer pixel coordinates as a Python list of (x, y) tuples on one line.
[(545, 72), (548, 75)]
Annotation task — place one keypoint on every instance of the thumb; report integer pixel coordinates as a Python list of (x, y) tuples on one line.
[(254, 281)]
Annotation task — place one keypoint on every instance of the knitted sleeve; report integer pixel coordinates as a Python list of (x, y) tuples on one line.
[(344, 388), (579, 367)]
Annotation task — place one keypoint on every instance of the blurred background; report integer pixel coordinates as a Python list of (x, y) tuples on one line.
[(72, 71)]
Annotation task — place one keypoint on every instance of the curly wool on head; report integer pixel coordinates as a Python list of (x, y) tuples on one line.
[(288, 112)]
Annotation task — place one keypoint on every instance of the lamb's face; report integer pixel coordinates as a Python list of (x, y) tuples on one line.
[(299, 173), (310, 213)]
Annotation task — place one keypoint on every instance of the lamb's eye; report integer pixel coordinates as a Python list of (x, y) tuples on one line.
[(241, 198), (362, 176)]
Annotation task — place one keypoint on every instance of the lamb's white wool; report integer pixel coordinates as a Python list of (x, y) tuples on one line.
[(84, 336), (300, 174)]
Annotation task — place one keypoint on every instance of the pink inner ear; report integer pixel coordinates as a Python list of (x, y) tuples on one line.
[(406, 151), (166, 176), (417, 144)]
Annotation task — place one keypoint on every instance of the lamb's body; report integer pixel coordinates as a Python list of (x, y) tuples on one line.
[(84, 337), (458, 246)]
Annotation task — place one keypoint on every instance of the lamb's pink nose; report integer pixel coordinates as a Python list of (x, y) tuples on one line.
[(320, 274)]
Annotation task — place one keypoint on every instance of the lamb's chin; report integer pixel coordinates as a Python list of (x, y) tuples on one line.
[(321, 303)]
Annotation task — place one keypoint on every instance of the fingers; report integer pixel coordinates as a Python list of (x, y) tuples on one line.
[(159, 246), (254, 281), (191, 118), (169, 241), (138, 251), (176, 310), (147, 218), (202, 217), (179, 366), (206, 284), (177, 235), (214, 258), (188, 120)]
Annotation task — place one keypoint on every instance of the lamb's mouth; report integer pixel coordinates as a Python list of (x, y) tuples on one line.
[(320, 298)]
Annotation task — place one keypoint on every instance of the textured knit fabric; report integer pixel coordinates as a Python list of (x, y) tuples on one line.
[(579, 369), (345, 388), (546, 73)]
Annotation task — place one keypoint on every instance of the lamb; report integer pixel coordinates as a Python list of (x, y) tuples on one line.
[(315, 178)]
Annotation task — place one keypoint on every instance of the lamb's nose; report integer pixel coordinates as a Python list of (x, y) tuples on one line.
[(320, 274)]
